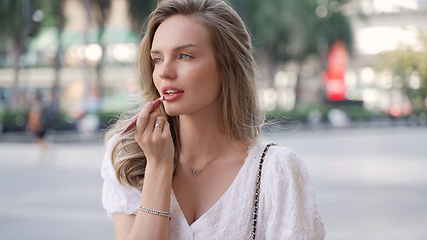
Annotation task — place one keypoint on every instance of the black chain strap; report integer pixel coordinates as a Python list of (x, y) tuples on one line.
[(258, 184)]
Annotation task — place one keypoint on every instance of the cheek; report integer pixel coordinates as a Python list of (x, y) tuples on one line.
[(208, 81), (156, 83), (210, 71)]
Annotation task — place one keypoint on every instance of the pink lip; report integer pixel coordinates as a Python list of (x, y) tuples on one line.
[(173, 96)]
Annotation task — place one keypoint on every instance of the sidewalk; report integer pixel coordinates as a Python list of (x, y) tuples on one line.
[(370, 184), (57, 198)]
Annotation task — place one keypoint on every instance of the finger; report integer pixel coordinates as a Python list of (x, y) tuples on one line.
[(166, 129), (141, 122), (149, 128), (160, 121)]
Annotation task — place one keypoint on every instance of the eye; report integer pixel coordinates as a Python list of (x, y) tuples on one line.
[(156, 60), (184, 56)]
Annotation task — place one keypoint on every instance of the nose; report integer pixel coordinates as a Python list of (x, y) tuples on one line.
[(167, 70)]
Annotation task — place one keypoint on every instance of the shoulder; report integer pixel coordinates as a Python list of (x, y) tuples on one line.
[(284, 171), (107, 170), (116, 198), (280, 154), (288, 201), (283, 161)]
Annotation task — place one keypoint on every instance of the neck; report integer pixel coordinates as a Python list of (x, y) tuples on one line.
[(201, 140)]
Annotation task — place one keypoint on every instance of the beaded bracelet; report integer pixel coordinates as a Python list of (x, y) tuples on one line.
[(153, 211)]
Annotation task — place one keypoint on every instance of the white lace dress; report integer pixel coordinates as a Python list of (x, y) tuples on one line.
[(287, 208)]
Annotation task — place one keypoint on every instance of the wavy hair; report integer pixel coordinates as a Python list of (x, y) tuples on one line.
[(240, 117)]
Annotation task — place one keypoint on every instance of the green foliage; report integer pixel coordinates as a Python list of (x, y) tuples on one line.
[(11, 20), (52, 10), (337, 27), (17, 120), (15, 21), (402, 62), (8, 118), (283, 29), (291, 29), (139, 11), (301, 113)]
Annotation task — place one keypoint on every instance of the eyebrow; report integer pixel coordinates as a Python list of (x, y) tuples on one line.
[(188, 45)]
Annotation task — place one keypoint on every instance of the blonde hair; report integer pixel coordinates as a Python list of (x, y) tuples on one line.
[(240, 117)]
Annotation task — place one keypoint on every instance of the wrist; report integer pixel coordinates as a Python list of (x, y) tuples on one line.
[(162, 168), (157, 184)]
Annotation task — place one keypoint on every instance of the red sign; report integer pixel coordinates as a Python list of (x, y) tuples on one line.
[(335, 72)]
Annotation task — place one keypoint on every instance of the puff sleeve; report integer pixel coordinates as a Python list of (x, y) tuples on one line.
[(116, 198), (288, 204)]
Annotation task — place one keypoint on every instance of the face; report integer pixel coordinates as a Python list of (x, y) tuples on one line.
[(185, 69)]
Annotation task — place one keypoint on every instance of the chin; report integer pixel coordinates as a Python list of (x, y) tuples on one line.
[(172, 112)]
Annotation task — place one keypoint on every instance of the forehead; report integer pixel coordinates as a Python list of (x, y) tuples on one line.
[(180, 30)]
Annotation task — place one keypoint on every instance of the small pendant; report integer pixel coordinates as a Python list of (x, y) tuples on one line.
[(194, 172)]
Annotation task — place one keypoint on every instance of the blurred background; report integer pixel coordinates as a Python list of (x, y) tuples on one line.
[(349, 77), (323, 62)]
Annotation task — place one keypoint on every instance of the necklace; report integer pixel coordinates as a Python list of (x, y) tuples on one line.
[(195, 172)]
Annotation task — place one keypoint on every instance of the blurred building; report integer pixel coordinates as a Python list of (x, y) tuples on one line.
[(379, 26), (389, 25), (83, 50)]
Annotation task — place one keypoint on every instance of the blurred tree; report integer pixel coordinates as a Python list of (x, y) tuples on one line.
[(18, 23), (294, 29), (88, 22), (139, 11), (97, 11), (411, 66), (100, 12), (54, 12)]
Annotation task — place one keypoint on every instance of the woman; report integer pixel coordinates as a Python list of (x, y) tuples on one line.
[(189, 169), (37, 124)]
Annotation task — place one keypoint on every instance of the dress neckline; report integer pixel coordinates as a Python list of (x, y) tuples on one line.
[(224, 195)]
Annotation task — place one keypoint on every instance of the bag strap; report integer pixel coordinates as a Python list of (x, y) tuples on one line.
[(258, 184)]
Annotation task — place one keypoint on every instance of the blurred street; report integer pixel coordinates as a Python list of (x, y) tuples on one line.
[(352, 73), (370, 184)]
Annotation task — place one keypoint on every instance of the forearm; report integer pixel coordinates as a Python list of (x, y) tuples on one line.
[(156, 194), (152, 133)]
